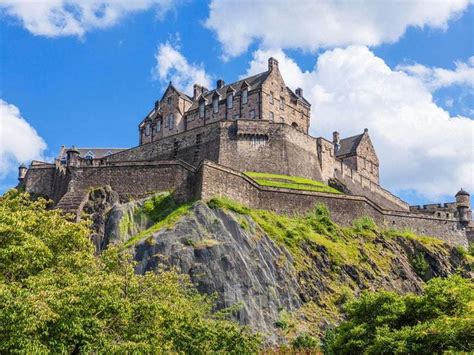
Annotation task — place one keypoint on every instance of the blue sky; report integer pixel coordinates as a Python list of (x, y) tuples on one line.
[(89, 80)]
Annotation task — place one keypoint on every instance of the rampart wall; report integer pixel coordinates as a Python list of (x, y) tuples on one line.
[(344, 209)]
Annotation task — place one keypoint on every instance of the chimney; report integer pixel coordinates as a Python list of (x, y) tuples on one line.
[(197, 90), (299, 92), (220, 84), (366, 131), (336, 141), (272, 63)]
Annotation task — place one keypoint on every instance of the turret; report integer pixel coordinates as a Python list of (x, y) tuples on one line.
[(463, 205), (72, 157), (22, 169)]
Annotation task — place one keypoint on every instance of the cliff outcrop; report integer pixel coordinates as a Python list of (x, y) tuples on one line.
[(281, 275)]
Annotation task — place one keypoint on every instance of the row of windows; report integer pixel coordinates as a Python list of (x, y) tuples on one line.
[(215, 103), (169, 120), (282, 101)]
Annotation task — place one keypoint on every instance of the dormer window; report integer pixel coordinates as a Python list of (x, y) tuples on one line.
[(158, 125), (89, 155), (147, 129), (168, 100), (245, 96), (215, 105), (230, 100), (201, 109)]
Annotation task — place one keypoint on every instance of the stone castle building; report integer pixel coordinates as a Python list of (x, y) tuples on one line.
[(200, 146)]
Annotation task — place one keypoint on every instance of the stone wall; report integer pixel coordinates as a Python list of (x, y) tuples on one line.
[(248, 145), (138, 179), (358, 184), (39, 179), (344, 209)]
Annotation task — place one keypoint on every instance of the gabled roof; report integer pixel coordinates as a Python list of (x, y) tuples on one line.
[(180, 94), (97, 153), (348, 146), (252, 82)]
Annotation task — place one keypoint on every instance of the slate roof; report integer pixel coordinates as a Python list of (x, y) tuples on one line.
[(253, 82), (97, 153), (348, 146)]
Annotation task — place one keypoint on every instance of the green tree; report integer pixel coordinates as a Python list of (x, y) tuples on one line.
[(56, 296), (441, 319)]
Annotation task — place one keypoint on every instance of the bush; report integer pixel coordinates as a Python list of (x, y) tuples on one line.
[(383, 322), (420, 265), (304, 341)]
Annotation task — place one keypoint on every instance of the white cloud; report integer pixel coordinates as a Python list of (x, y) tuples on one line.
[(53, 18), (420, 146), (310, 25), (172, 66), (436, 78), (19, 142)]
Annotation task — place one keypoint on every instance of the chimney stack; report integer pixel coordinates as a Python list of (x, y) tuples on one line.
[(299, 92), (272, 63), (197, 90), (220, 84), (336, 141), (22, 169)]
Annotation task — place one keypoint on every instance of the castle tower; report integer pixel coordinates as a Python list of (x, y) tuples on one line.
[(72, 156), (463, 205), (22, 169)]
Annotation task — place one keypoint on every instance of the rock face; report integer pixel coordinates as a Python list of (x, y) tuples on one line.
[(228, 254)]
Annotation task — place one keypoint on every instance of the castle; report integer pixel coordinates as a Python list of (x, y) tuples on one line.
[(201, 146)]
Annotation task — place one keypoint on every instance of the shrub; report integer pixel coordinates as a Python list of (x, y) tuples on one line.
[(420, 265), (438, 321), (304, 341)]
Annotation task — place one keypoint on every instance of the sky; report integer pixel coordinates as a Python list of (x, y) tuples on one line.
[(85, 73)]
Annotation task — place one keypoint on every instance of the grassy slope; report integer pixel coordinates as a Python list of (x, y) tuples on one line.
[(290, 182)]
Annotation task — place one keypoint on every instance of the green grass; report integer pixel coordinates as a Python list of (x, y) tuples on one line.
[(289, 182), (163, 212)]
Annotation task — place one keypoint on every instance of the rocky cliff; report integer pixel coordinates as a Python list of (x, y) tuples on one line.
[(282, 275)]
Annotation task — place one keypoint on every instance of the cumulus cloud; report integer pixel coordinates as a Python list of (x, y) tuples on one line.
[(436, 78), (172, 66), (421, 147), (19, 142), (310, 25), (53, 18)]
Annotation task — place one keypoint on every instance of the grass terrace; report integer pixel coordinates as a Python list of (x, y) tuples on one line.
[(289, 182)]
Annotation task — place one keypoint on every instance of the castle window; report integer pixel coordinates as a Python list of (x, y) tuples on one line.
[(147, 129), (215, 105), (89, 155), (271, 118), (245, 96), (282, 103), (158, 125), (171, 121), (282, 119), (230, 100), (201, 109), (169, 100), (252, 114), (271, 97)]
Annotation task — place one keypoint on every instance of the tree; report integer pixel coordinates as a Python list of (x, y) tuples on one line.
[(441, 319), (56, 296)]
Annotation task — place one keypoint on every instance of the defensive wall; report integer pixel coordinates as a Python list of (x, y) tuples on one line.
[(344, 209)]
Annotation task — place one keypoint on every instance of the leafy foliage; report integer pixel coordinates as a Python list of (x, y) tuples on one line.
[(383, 322), (57, 297)]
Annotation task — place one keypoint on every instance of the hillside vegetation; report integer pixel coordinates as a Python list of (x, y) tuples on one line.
[(170, 271)]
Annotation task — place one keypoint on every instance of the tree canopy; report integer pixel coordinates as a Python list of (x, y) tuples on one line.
[(56, 296), (441, 319)]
